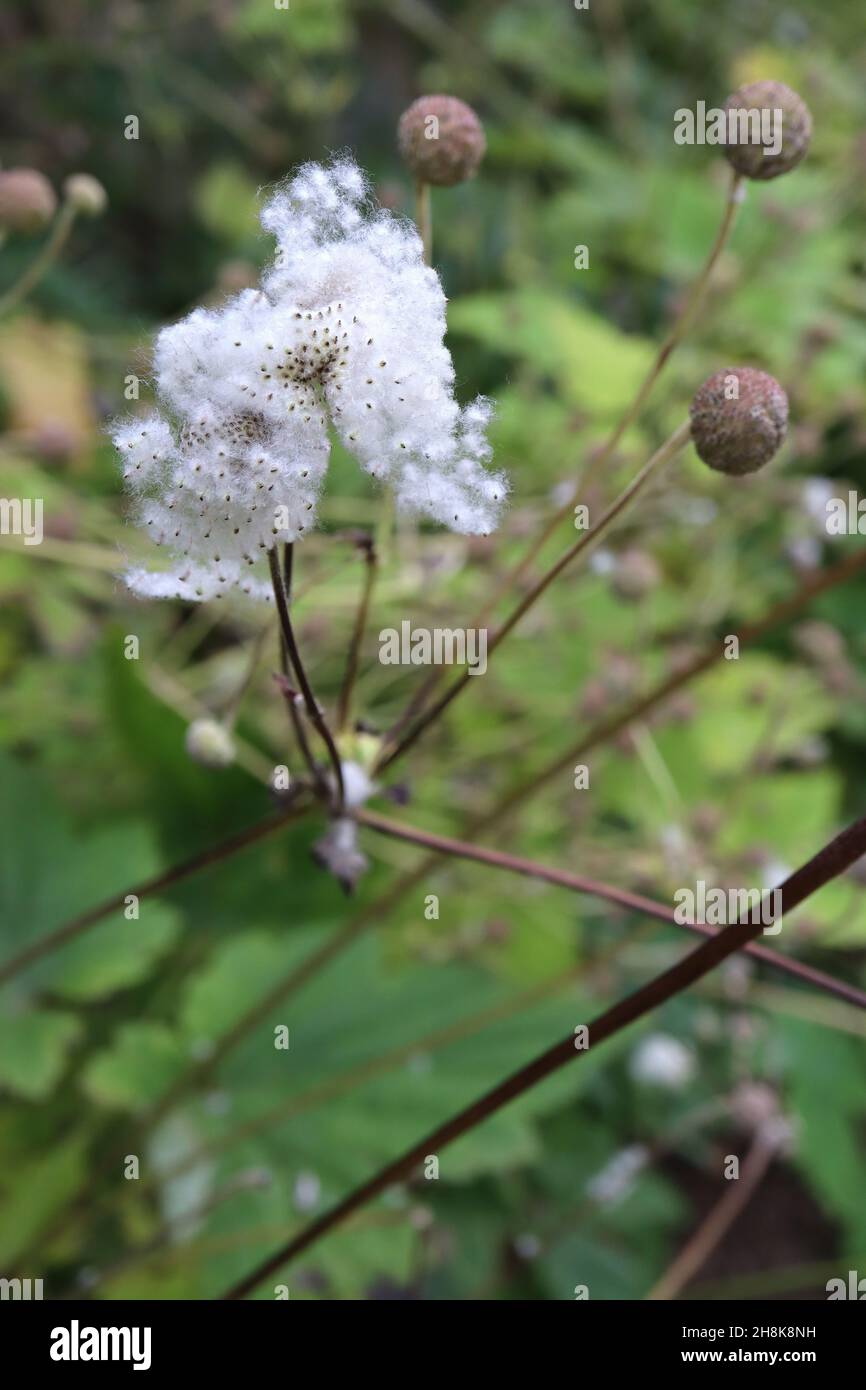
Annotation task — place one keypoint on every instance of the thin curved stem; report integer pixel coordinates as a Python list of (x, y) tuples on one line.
[(579, 883), (377, 911), (311, 704), (290, 695), (232, 708), (215, 854), (607, 729), (604, 730), (354, 658), (586, 542), (167, 687), (632, 902), (843, 851), (676, 335), (332, 947), (597, 461), (43, 260), (354, 1076), (718, 1222)]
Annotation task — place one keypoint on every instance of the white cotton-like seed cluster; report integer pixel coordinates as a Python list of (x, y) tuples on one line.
[(345, 333), (661, 1060)]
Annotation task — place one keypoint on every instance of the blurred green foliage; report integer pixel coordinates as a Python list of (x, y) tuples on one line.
[(751, 769)]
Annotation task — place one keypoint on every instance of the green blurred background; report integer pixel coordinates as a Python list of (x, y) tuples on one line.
[(747, 772)]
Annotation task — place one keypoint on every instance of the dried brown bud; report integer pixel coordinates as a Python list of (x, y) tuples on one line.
[(739, 418), (753, 1103), (442, 140), (636, 574), (86, 194), (788, 121), (27, 200), (820, 642)]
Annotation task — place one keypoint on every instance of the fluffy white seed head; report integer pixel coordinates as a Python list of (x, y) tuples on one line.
[(346, 333)]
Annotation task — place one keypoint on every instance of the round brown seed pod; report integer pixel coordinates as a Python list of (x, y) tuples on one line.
[(739, 418), (748, 154), (27, 200), (442, 140)]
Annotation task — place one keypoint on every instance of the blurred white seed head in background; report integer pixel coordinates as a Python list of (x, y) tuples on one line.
[(662, 1060)]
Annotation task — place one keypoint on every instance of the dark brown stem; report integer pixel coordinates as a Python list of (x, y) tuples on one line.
[(668, 450), (832, 860), (597, 735), (376, 1066), (166, 1235), (827, 579), (377, 911), (354, 657), (213, 855), (578, 883), (566, 1223), (607, 729), (715, 1226), (602, 457), (289, 694), (332, 947), (285, 988), (311, 704)]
